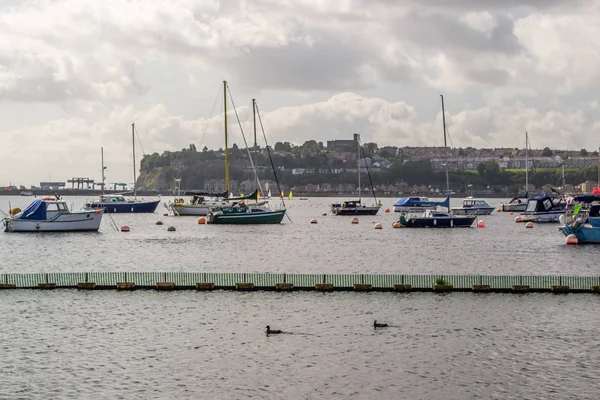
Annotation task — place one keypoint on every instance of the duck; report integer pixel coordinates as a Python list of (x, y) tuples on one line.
[(376, 325), (273, 331)]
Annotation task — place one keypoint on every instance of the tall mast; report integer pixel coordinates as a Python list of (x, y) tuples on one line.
[(445, 145), (598, 166), (226, 142), (526, 162), (357, 137), (103, 168), (134, 171), (254, 122)]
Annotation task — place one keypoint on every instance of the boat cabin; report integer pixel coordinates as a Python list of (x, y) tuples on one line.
[(545, 204), (43, 210), (474, 203)]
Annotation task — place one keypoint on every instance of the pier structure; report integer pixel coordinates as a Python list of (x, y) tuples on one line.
[(315, 282), (81, 183)]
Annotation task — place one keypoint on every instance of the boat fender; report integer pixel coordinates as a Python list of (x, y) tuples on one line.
[(37, 226), (451, 224), (435, 222)]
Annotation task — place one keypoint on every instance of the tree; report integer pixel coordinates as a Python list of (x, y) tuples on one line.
[(204, 149), (546, 152), (192, 147), (583, 153), (481, 169)]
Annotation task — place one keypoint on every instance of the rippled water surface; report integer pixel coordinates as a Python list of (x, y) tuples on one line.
[(67, 344), (333, 245)]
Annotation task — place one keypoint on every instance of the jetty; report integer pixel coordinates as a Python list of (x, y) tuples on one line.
[(204, 281)]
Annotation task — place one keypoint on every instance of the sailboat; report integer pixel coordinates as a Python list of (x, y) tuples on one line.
[(355, 207), (434, 218), (519, 203), (290, 196), (241, 212), (117, 203)]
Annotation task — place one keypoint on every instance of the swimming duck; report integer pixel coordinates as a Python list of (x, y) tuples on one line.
[(376, 325), (272, 331)]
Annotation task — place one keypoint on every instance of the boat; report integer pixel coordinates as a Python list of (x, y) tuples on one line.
[(544, 208), (200, 204), (118, 203), (436, 219), (516, 204), (26, 193), (241, 212), (519, 203), (584, 223), (53, 216), (471, 206), (356, 207), (419, 203)]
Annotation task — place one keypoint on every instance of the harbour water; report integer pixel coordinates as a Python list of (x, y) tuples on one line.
[(164, 345)]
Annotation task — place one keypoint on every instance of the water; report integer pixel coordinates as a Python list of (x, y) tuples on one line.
[(333, 245), (68, 344)]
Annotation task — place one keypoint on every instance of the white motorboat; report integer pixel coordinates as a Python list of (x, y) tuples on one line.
[(471, 206), (44, 215)]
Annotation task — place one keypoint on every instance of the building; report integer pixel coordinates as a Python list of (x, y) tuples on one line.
[(342, 145), (52, 185)]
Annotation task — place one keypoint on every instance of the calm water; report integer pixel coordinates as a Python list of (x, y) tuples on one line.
[(333, 245), (149, 345), (67, 344)]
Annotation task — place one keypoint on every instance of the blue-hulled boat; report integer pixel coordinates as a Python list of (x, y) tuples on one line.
[(419, 203), (116, 203), (585, 225)]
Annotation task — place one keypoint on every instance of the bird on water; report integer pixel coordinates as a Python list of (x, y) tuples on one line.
[(376, 325), (273, 331)]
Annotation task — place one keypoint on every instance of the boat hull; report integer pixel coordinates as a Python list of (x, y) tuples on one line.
[(72, 222), (355, 211), (125, 207), (271, 217), (550, 217), (514, 207), (585, 235), (473, 211), (179, 209), (428, 222)]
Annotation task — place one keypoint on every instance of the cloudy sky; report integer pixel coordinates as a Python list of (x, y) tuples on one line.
[(74, 75)]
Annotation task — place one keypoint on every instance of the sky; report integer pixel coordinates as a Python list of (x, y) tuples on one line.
[(75, 74)]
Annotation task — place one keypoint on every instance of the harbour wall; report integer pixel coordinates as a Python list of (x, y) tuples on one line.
[(291, 282)]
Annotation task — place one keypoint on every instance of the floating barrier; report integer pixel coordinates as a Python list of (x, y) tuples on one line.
[(127, 281)]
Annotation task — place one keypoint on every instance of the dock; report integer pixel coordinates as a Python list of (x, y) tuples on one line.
[(282, 282)]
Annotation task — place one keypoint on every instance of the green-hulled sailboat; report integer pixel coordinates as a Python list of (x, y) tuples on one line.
[(241, 212)]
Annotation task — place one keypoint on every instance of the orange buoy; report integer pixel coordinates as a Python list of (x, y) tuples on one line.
[(124, 228), (313, 221), (355, 220), (387, 210), (378, 226), (510, 213), (396, 225), (529, 225), (518, 219), (481, 224), (571, 239), (97, 211), (498, 209), (201, 221)]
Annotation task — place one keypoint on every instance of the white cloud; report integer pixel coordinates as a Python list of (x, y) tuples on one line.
[(323, 69)]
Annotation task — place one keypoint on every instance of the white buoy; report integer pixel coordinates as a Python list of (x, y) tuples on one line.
[(529, 225), (378, 226), (355, 220)]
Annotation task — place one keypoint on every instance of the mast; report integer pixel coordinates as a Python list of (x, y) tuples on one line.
[(526, 162), (598, 166), (563, 176), (255, 147), (445, 146), (357, 138), (134, 172), (103, 168), (226, 142)]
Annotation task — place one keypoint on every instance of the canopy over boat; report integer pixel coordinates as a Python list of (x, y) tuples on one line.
[(35, 211), (586, 198)]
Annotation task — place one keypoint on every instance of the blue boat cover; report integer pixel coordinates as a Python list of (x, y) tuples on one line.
[(586, 198), (35, 211), (416, 201)]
